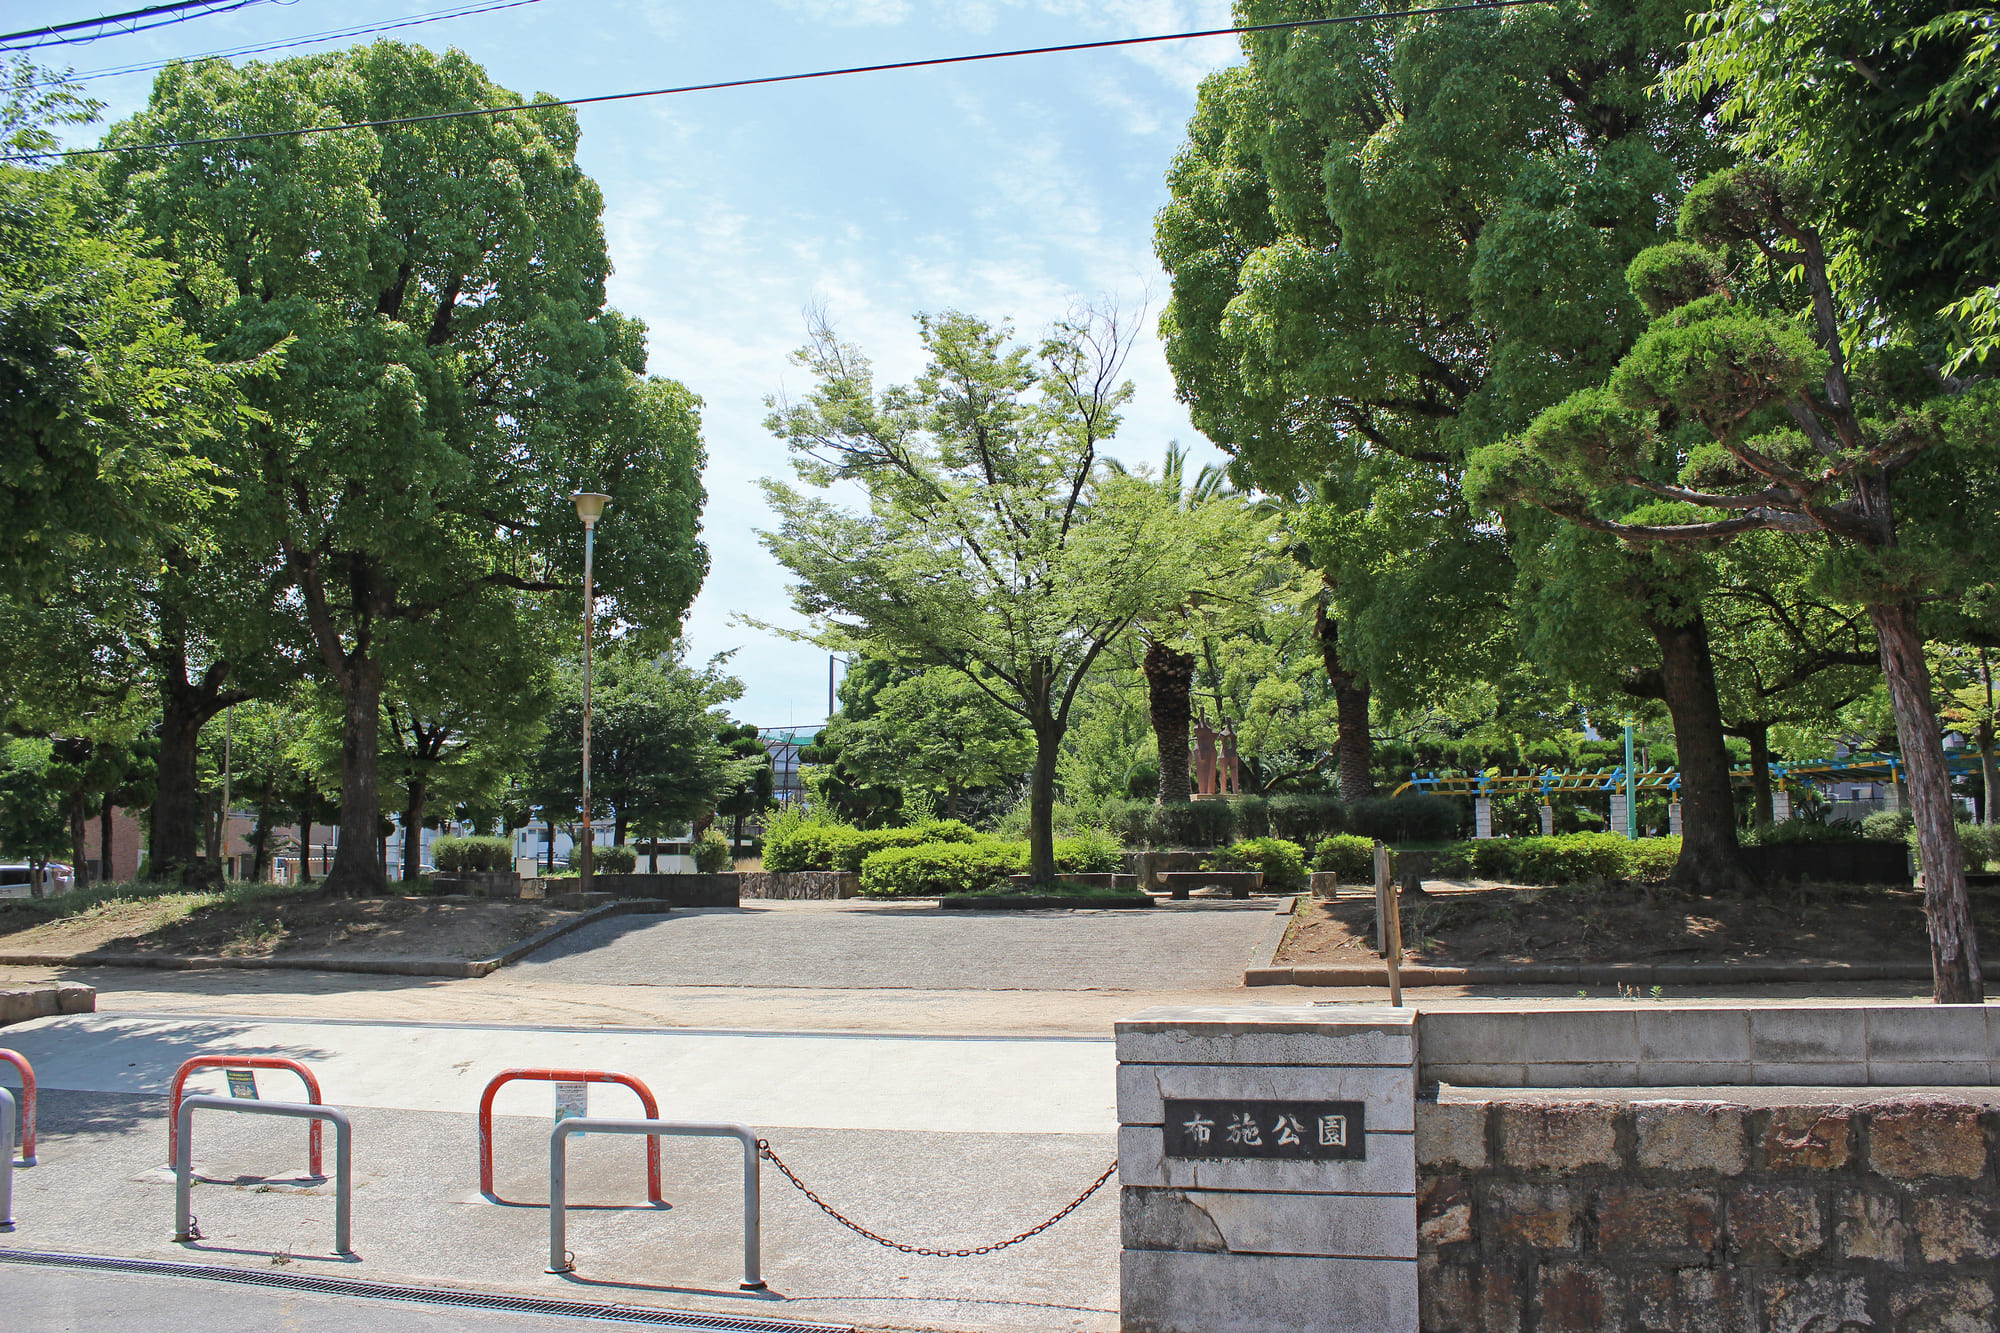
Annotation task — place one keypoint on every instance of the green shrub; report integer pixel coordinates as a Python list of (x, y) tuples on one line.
[(1281, 861), (1787, 831), (1126, 820), (1190, 824), (1888, 826), (1652, 859), (940, 868), (857, 845), (1091, 852), (1569, 857), (1415, 818), (457, 856), (1253, 817), (1306, 818), (1980, 844), (712, 855), (792, 843), (613, 860), (1348, 855)]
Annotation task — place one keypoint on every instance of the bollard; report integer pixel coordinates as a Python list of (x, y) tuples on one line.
[(7, 1160), (505, 1076), (343, 1156), (27, 1107), (753, 1240), (314, 1166)]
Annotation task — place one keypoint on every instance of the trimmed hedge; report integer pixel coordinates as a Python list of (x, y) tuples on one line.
[(1417, 818), (1567, 858), (1090, 852), (711, 853), (1281, 861), (1191, 824), (940, 868), (1802, 830), (1252, 816), (1888, 826), (1348, 855), (812, 845), (1307, 818), (621, 860), (454, 856)]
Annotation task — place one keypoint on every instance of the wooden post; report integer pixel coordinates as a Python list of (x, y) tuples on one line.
[(1389, 921)]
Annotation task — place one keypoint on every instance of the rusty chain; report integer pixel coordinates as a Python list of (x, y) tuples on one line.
[(765, 1151)]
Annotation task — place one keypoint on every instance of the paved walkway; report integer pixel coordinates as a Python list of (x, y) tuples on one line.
[(866, 946)]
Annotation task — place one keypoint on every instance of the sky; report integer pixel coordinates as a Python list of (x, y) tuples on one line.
[(1010, 189)]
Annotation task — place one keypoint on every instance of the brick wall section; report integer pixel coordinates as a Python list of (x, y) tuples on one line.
[(1707, 1217)]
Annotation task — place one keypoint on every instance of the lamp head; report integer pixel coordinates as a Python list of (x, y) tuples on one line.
[(590, 506)]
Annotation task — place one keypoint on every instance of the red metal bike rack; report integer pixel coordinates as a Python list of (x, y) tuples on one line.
[(566, 1076), (20, 1062), (243, 1062)]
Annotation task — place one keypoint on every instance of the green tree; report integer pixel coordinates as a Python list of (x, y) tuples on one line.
[(452, 369), (31, 814), (751, 796), (938, 731), (1891, 112), (1743, 413), (995, 543), (828, 776)]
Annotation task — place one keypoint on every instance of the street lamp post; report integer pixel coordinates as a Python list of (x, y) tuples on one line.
[(589, 507)]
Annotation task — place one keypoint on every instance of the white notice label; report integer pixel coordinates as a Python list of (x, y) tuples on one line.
[(572, 1099)]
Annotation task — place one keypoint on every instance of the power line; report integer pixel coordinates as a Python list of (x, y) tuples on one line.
[(289, 43), (771, 79), (131, 21)]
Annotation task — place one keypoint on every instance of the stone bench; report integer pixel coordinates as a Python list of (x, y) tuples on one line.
[(1240, 883)]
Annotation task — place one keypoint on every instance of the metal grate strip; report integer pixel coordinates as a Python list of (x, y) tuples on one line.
[(692, 1320)]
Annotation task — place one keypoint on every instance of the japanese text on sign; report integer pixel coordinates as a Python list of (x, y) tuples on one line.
[(1307, 1131)]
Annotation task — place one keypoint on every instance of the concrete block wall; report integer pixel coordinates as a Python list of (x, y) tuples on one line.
[(1686, 1217), (799, 883), (1229, 1245), (1644, 1046)]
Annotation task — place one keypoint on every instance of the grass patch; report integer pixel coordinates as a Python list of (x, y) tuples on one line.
[(175, 901)]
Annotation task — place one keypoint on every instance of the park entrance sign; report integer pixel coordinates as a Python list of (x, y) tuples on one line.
[(1267, 1159)]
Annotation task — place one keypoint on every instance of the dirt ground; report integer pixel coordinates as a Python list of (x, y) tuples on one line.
[(306, 925), (1455, 923)]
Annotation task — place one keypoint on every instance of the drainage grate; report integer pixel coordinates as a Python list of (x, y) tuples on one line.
[(694, 1321)]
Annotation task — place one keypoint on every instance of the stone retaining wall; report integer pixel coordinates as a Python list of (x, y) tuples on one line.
[(799, 883), (46, 1000), (1673, 1217)]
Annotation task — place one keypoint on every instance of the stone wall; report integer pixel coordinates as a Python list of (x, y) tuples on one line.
[(45, 999), (799, 883), (1673, 1217)]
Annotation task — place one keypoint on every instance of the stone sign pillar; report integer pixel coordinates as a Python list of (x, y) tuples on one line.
[(1673, 819), (1618, 813), (1482, 816), (1267, 1161), (1548, 821), (1781, 805)]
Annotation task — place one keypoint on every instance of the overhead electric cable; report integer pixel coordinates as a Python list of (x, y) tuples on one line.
[(290, 43), (131, 21), (769, 79)]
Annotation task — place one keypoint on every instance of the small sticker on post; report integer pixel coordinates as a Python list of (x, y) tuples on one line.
[(242, 1083), (572, 1101)]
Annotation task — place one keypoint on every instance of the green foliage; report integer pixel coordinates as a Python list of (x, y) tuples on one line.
[(1307, 818), (1410, 818), (31, 816), (1252, 815), (857, 845), (620, 859), (1888, 826), (1090, 852), (937, 731), (1795, 830), (1283, 862), (453, 855), (1348, 855), (795, 842), (1191, 824), (940, 867), (1568, 858), (1127, 820), (711, 852)]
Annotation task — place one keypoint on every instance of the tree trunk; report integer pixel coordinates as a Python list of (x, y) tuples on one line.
[(1169, 698), (951, 797), (552, 846), (214, 823), (1955, 972), (177, 805), (78, 839), (1710, 858), (305, 838), (413, 830), (736, 834), (357, 862), (1759, 736), (104, 842), (1042, 805), (1988, 778), (1353, 747), (618, 829)]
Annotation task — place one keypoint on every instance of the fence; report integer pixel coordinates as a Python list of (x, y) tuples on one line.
[(313, 1163), (646, 1100)]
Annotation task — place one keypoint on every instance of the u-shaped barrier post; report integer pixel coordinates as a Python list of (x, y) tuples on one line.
[(343, 1155), (7, 1161), (753, 1222), (26, 1108), (646, 1101), (313, 1161)]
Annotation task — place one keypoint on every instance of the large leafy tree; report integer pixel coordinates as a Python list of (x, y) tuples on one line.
[(452, 370), (1390, 243), (995, 542), (938, 731), (1743, 413)]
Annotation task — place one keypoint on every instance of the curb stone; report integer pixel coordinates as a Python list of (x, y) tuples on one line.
[(399, 967), (1586, 974)]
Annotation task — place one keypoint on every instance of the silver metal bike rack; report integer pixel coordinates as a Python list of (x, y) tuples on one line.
[(6, 1160), (559, 1260), (343, 1157)]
